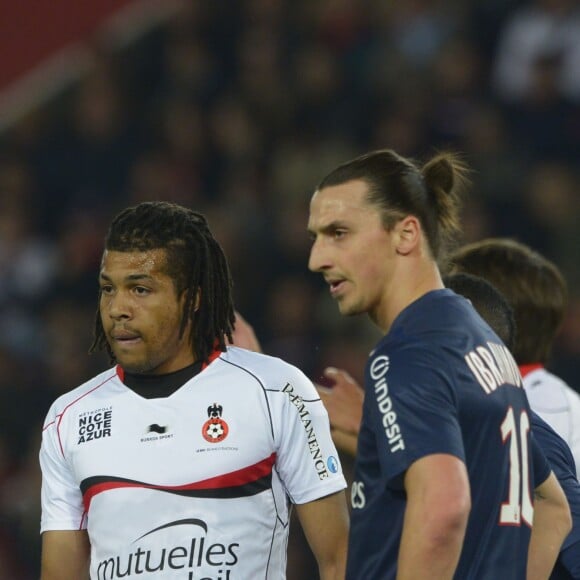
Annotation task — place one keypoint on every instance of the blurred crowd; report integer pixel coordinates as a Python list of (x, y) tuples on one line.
[(237, 108)]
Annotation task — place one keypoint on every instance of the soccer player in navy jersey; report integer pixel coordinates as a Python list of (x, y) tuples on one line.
[(443, 478), (344, 400)]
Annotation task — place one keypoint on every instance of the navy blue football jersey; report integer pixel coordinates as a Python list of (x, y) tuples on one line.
[(441, 381), (561, 461)]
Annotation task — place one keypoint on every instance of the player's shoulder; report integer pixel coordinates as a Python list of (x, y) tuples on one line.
[(82, 392), (435, 317), (273, 372), (543, 386), (407, 359)]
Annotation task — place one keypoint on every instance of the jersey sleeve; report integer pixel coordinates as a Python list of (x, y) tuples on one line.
[(411, 406), (307, 460), (61, 498), (574, 402), (562, 464), (541, 466), (568, 563)]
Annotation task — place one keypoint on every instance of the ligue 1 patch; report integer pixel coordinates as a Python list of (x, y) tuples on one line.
[(215, 429), (332, 464)]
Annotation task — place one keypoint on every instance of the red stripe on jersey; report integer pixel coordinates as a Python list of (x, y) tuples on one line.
[(211, 358), (234, 479), (527, 369)]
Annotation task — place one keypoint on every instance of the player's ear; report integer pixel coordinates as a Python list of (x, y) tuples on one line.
[(408, 235), (196, 299)]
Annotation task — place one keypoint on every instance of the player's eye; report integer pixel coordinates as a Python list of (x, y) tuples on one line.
[(141, 290)]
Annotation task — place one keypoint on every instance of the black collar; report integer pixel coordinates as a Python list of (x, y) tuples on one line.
[(158, 386)]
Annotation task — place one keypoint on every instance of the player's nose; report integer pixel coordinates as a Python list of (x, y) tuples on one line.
[(319, 258), (118, 306)]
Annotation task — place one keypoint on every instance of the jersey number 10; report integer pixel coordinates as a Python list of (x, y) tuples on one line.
[(519, 504)]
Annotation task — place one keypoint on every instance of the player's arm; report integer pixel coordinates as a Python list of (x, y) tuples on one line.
[(343, 402), (345, 442), (552, 523), (65, 555), (438, 506), (244, 335), (65, 546), (325, 522)]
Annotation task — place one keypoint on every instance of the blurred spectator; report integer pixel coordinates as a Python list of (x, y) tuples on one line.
[(541, 30), (82, 161)]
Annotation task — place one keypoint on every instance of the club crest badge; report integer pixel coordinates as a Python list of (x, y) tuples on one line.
[(215, 429)]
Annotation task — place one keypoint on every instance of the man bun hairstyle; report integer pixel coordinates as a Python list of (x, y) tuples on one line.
[(445, 177), (400, 188), (194, 261)]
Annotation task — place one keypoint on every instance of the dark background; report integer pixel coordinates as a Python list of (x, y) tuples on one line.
[(237, 108)]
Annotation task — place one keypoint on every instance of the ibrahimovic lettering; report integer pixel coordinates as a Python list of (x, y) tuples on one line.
[(493, 366)]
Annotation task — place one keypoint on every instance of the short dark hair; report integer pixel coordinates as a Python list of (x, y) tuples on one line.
[(489, 303), (194, 261), (532, 284), (400, 188)]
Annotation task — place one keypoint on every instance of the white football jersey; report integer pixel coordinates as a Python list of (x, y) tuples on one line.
[(195, 485), (557, 403)]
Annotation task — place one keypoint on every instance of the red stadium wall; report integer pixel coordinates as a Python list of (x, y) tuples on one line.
[(41, 43), (33, 30)]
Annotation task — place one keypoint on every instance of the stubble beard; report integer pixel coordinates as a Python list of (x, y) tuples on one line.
[(347, 308), (134, 364)]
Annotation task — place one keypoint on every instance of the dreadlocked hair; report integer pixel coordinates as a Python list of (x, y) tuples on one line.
[(194, 261)]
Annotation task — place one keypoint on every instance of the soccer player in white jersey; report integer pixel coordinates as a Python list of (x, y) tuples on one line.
[(183, 460), (537, 292)]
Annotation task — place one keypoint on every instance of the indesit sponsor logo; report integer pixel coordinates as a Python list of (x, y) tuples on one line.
[(313, 445), (95, 424), (196, 557), (378, 369)]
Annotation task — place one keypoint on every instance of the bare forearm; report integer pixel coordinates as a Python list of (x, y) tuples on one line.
[(548, 533), (438, 505), (325, 523), (427, 553), (65, 555), (334, 570), (552, 523)]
